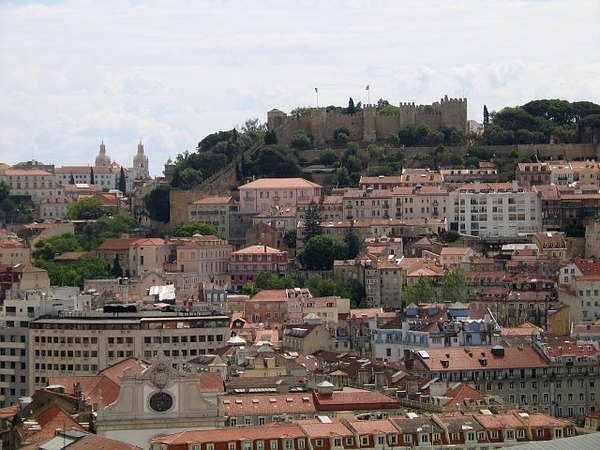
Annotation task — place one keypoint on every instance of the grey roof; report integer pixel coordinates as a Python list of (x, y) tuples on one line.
[(583, 442)]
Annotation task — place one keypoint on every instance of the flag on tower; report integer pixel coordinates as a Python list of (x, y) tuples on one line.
[(317, 90), (368, 88)]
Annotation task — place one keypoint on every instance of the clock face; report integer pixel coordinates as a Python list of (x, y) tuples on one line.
[(161, 402)]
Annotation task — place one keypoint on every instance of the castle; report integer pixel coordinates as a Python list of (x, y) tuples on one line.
[(368, 125)]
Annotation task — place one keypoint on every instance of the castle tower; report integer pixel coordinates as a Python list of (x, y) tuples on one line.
[(369, 128), (102, 160), (140, 163)]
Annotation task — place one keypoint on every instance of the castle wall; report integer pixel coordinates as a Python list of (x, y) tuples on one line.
[(367, 125)]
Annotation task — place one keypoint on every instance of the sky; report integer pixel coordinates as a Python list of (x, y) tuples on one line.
[(76, 72)]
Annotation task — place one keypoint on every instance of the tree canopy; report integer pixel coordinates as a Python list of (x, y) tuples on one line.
[(455, 287), (157, 203), (86, 208), (419, 291), (187, 229)]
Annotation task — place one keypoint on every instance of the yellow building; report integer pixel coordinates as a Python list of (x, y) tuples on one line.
[(559, 320)]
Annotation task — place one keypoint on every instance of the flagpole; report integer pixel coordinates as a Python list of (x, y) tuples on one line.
[(368, 88), (317, 91)]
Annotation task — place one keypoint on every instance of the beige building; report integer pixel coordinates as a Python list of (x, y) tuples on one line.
[(84, 344), (266, 193), (36, 183), (214, 211), (205, 256), (308, 338), (147, 255), (328, 309), (13, 250)]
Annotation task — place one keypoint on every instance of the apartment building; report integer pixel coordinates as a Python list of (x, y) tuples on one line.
[(495, 209), (18, 309), (36, 183), (207, 257), (147, 255), (84, 343), (215, 211), (524, 374), (579, 288), (533, 174), (249, 262), (267, 193), (13, 250), (268, 307), (484, 430)]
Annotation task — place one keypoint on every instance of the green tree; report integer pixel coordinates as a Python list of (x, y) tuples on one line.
[(46, 249), (86, 208), (312, 222), (122, 184), (254, 128), (486, 115), (454, 286), (301, 140), (157, 203), (71, 179), (116, 270), (353, 242), (351, 107), (318, 253), (249, 288), (273, 161), (92, 178), (419, 291), (355, 291), (188, 229), (75, 273), (300, 111), (341, 135), (289, 238), (270, 138), (320, 287)]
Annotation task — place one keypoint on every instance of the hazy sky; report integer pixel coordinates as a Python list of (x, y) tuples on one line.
[(74, 72)]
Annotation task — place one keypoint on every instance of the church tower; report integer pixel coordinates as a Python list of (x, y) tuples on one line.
[(140, 163), (102, 160)]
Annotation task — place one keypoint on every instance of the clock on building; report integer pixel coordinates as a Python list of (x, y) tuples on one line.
[(161, 401)]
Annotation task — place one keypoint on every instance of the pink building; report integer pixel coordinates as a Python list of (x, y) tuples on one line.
[(268, 193), (247, 263)]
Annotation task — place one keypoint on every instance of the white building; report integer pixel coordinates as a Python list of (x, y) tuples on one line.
[(495, 209)]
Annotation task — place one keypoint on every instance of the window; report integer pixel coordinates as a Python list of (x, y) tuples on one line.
[(558, 432), (273, 444), (319, 442), (337, 442), (301, 443), (407, 438), (289, 444), (231, 446)]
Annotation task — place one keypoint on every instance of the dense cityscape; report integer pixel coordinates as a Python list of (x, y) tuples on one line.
[(371, 276)]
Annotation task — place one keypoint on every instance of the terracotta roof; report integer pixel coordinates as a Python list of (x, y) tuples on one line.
[(316, 429), (211, 382), (24, 172), (282, 183), (274, 430), (87, 442), (116, 244), (267, 404), (213, 201), (472, 359), (455, 250), (360, 399), (269, 295), (50, 420), (257, 249)]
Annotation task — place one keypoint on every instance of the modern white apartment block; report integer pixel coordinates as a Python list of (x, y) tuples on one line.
[(495, 209), (83, 343)]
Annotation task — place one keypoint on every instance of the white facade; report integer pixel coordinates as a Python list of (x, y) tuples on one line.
[(495, 209)]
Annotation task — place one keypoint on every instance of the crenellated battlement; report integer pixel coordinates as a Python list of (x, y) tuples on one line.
[(367, 124)]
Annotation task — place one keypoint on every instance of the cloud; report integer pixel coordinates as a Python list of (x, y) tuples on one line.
[(170, 72)]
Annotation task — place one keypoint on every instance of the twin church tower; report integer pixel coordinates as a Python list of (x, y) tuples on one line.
[(139, 169)]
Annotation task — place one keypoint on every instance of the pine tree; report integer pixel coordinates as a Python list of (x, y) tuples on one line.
[(351, 107), (486, 115), (71, 179), (116, 270), (312, 222), (92, 179), (122, 185)]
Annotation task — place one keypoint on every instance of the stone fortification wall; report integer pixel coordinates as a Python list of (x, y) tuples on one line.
[(367, 125)]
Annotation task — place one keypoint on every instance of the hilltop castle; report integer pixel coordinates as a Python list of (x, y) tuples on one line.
[(368, 125)]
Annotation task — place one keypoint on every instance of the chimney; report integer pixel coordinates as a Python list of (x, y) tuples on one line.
[(477, 186), (515, 186)]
